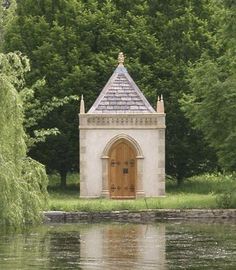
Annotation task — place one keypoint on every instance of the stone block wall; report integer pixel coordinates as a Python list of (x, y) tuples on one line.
[(141, 216)]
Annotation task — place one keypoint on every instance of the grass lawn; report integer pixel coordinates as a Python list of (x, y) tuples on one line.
[(205, 191)]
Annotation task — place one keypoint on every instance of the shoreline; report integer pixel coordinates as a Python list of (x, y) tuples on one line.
[(140, 216)]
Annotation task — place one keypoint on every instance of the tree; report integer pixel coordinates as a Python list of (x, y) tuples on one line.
[(23, 181), (35, 111), (35, 107), (211, 104), (185, 29)]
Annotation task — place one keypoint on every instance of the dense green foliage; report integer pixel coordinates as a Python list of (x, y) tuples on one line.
[(23, 181), (73, 44), (211, 104), (185, 29), (35, 109), (7, 13)]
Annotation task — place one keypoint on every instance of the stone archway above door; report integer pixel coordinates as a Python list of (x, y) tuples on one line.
[(126, 137), (138, 163)]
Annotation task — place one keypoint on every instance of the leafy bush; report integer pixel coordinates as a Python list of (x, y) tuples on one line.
[(204, 184), (226, 199)]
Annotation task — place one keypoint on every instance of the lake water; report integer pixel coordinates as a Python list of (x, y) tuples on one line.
[(176, 245)]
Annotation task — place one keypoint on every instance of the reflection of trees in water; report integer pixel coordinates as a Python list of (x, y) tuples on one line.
[(201, 245), (64, 250), (42, 248), (23, 250)]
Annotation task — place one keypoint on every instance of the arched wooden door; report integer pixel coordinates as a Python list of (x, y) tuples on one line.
[(122, 171)]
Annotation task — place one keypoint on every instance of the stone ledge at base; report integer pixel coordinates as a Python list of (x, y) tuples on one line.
[(140, 216)]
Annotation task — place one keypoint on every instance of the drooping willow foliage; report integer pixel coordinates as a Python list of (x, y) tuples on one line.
[(23, 181)]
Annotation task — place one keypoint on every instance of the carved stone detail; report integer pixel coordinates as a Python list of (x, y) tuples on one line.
[(126, 121)]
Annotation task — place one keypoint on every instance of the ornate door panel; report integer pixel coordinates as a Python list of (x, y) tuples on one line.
[(122, 171)]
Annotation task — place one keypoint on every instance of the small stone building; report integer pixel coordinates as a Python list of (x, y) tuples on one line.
[(122, 142)]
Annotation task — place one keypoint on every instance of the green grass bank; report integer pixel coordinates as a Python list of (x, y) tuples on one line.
[(208, 191)]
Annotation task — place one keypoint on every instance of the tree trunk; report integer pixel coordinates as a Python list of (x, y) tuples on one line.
[(179, 181), (63, 178)]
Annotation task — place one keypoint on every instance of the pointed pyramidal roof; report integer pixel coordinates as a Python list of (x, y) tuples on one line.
[(121, 94)]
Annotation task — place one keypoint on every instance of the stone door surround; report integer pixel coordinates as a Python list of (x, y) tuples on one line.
[(105, 164)]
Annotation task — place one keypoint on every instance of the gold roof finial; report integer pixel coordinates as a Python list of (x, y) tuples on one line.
[(121, 58)]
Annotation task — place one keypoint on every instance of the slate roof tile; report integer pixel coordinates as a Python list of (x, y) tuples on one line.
[(121, 95)]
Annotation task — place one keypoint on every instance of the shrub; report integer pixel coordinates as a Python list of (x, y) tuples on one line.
[(226, 199)]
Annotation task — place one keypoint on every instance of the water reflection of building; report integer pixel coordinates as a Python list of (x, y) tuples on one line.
[(123, 246)]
